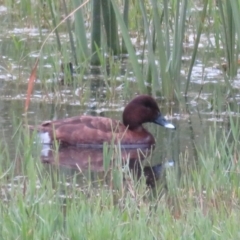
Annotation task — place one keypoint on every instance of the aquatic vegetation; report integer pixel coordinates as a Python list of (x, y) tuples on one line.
[(174, 49)]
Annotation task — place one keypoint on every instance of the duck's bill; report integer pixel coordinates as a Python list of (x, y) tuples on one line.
[(163, 122)]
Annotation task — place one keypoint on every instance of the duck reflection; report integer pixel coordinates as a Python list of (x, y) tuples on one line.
[(100, 160)]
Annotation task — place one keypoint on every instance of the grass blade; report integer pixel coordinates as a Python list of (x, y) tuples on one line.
[(132, 55)]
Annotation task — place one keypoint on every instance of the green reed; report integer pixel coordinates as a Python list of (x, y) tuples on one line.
[(42, 201), (198, 199), (162, 26)]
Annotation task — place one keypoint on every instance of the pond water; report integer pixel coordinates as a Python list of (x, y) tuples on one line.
[(192, 120), (99, 95)]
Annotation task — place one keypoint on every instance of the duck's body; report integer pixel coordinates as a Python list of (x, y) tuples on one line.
[(90, 130)]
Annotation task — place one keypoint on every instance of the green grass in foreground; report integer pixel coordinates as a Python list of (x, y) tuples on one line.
[(201, 200)]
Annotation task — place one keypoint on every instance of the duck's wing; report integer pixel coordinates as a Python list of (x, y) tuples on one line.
[(83, 130)]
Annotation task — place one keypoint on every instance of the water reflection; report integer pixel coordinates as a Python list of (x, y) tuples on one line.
[(100, 161)]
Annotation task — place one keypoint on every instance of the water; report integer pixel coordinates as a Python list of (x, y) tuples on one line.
[(105, 96), (192, 129)]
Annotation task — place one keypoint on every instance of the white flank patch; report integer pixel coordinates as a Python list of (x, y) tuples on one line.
[(45, 138)]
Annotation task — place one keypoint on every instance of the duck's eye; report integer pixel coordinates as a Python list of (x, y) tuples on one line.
[(148, 105)]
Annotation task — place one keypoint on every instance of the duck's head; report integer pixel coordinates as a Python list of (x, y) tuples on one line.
[(143, 109)]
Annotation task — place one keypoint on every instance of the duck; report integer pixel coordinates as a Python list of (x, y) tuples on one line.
[(94, 131)]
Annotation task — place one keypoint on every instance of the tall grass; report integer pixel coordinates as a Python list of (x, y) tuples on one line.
[(229, 13), (82, 50), (111, 27), (96, 32), (196, 200), (195, 49), (165, 26), (129, 47)]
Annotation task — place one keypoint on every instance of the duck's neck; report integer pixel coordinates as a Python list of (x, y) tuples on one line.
[(137, 129)]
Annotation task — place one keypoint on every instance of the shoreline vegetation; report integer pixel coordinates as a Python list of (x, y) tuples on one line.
[(150, 47)]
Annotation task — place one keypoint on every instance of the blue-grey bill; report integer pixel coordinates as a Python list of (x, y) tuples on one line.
[(163, 122)]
